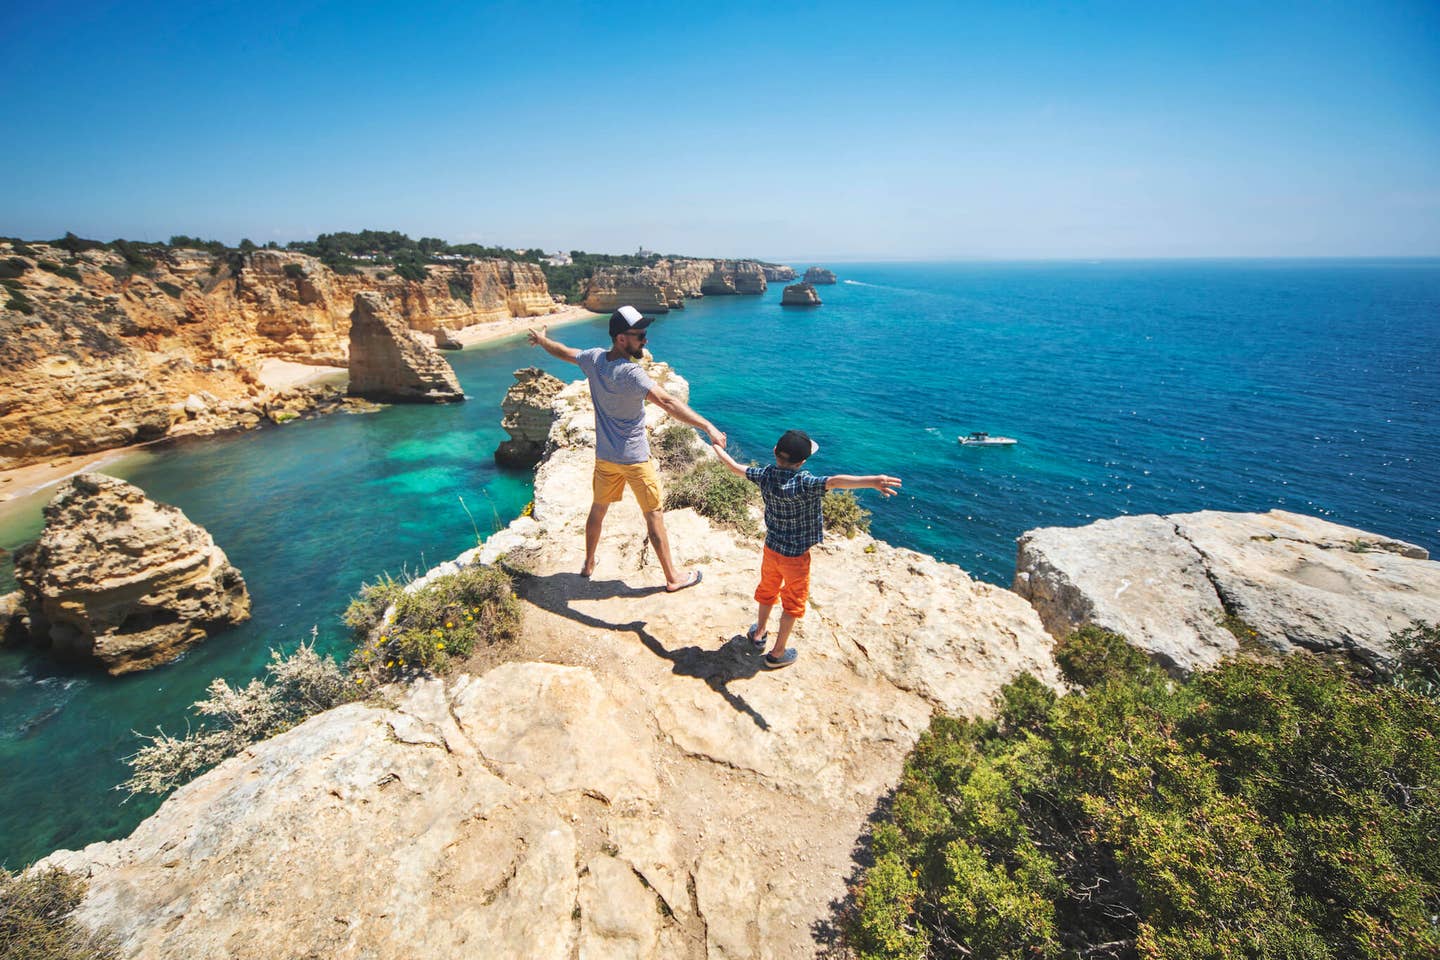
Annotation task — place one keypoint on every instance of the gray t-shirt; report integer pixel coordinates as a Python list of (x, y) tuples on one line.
[(618, 388)]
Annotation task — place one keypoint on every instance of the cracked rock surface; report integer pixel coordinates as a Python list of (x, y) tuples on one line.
[(1181, 586), (629, 784)]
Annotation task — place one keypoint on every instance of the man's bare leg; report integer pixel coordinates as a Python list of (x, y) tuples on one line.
[(787, 623), (593, 524), (655, 525)]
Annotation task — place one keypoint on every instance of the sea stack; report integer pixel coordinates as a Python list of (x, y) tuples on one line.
[(778, 272), (800, 295), (391, 365), (819, 275), (528, 416), (122, 581)]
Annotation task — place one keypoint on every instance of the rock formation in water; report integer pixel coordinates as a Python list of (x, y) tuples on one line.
[(819, 275), (445, 340), (800, 295), (630, 784), (389, 364), (778, 273), (528, 416), (107, 356), (119, 580), (1183, 587)]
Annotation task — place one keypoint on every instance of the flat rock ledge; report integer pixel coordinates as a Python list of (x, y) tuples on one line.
[(631, 784), (1185, 587)]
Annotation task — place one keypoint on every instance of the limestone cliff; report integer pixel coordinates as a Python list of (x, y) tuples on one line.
[(819, 275), (528, 416), (778, 273), (119, 580), (667, 284), (107, 356), (631, 784)]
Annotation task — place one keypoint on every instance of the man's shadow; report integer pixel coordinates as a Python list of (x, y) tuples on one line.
[(717, 668)]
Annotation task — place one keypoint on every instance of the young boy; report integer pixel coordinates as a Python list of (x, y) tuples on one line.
[(793, 525)]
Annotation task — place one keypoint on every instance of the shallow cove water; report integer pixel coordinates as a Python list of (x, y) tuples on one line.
[(1133, 388)]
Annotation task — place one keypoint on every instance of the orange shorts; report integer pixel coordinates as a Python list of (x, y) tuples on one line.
[(786, 579), (612, 478)]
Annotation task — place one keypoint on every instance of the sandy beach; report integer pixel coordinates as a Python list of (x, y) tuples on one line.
[(274, 375), (486, 332)]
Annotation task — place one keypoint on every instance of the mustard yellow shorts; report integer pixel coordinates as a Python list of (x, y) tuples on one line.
[(611, 478)]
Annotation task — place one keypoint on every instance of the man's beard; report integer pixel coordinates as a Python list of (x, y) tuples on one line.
[(636, 353)]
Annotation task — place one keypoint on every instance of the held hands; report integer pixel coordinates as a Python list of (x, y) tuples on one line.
[(886, 485), (716, 436)]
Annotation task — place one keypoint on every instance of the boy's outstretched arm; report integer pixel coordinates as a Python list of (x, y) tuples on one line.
[(885, 484), (555, 348), (728, 460)]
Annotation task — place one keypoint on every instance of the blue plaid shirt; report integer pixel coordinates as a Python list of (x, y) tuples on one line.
[(793, 521)]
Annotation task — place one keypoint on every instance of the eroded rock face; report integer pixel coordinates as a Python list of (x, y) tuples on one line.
[(1179, 586), (109, 356), (778, 273), (389, 365), (666, 284), (632, 784), (819, 275), (800, 295), (528, 416), (125, 582)]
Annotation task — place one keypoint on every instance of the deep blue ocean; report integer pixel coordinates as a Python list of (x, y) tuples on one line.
[(1133, 387)]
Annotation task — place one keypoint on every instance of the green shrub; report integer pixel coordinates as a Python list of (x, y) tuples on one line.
[(459, 289), (294, 271), (712, 491), (37, 922), (12, 267), (448, 619), (119, 271), (1417, 666), (50, 266), (676, 448), (298, 686), (1091, 655), (1260, 810), (170, 289), (411, 269), (843, 514)]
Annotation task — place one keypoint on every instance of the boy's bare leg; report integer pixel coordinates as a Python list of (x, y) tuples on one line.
[(593, 523), (787, 623), (655, 526), (762, 617)]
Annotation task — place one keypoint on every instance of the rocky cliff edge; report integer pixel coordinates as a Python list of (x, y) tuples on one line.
[(630, 784)]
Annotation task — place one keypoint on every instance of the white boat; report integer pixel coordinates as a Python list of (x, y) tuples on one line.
[(982, 439)]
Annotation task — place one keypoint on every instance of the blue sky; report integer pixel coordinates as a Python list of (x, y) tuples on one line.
[(839, 131)]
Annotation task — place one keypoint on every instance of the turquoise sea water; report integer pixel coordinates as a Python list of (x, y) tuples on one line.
[(1132, 387)]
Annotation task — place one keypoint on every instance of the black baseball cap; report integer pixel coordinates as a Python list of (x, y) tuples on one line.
[(628, 319), (796, 446)]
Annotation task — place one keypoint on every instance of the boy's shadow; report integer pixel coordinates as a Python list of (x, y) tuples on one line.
[(717, 668)]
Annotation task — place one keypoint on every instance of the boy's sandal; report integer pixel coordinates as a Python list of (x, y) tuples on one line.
[(784, 660), (757, 643)]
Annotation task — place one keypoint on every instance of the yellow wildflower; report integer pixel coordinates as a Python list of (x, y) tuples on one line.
[(449, 626)]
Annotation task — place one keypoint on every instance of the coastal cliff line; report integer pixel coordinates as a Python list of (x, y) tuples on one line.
[(98, 355)]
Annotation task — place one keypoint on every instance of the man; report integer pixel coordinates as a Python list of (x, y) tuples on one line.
[(620, 388)]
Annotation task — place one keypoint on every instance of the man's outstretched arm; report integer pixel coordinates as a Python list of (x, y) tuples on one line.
[(684, 414), (555, 348)]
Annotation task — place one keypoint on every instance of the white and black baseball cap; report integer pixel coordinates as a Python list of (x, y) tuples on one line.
[(628, 319)]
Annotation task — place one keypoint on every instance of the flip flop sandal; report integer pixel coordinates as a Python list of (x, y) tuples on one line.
[(758, 644), (688, 583)]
